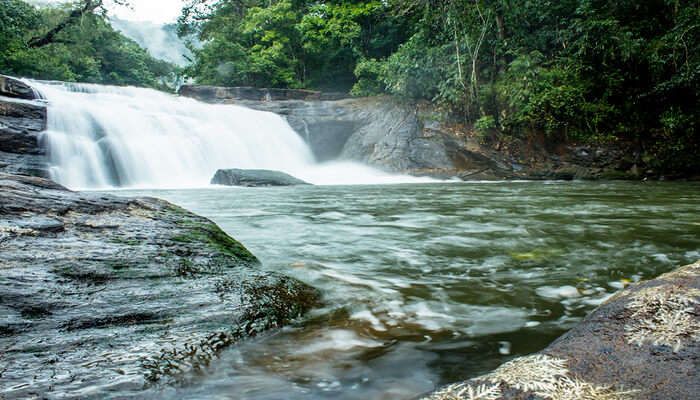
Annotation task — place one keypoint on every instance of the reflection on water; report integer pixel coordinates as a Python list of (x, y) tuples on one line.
[(426, 284)]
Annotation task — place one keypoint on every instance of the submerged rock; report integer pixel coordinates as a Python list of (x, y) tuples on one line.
[(643, 343), (102, 294), (254, 177)]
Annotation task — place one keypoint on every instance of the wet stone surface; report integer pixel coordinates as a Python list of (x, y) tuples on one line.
[(102, 295)]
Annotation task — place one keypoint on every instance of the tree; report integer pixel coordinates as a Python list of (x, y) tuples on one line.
[(82, 8)]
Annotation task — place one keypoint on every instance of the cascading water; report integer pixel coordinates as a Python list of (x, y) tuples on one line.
[(106, 136)]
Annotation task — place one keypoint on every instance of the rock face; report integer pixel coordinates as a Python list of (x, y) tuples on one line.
[(101, 294), (254, 177), (376, 131), (217, 93), (11, 87), (643, 343), (415, 139), (22, 119)]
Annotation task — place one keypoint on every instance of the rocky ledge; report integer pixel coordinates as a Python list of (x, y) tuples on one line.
[(254, 177), (22, 119), (643, 343), (102, 294), (416, 139)]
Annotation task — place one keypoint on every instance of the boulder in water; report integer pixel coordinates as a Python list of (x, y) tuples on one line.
[(102, 294), (254, 177), (643, 343)]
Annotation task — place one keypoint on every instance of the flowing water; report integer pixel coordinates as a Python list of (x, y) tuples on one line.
[(107, 136), (425, 284)]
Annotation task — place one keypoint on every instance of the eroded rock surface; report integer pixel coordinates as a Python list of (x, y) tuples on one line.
[(101, 295), (643, 343), (22, 119), (254, 177)]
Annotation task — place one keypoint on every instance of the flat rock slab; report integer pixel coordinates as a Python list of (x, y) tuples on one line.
[(254, 177), (101, 296), (643, 343)]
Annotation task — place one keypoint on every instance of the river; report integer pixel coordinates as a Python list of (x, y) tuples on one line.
[(425, 284)]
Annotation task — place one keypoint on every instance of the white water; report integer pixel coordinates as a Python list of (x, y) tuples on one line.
[(106, 137)]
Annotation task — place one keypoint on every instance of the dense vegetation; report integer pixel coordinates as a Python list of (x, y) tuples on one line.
[(620, 71), (73, 42)]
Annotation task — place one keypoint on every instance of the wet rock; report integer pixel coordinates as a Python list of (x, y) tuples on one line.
[(643, 343), (376, 131), (12, 87), (21, 124), (225, 94), (102, 295), (254, 177)]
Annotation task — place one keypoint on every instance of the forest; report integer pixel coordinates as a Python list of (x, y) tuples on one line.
[(595, 71)]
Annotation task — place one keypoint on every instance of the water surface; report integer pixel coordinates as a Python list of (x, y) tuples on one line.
[(425, 284)]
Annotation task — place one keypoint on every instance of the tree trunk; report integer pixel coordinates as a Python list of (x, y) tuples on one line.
[(50, 36)]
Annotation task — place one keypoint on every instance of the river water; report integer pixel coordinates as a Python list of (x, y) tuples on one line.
[(424, 284)]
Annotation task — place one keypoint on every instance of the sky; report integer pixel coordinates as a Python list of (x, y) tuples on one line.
[(158, 11)]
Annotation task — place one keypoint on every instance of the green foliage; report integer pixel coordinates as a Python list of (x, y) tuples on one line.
[(285, 44), (89, 50), (584, 70), (368, 73), (484, 124), (16, 20)]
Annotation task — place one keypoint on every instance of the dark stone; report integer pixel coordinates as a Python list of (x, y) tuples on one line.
[(218, 94), (12, 87), (21, 124), (254, 177), (118, 292)]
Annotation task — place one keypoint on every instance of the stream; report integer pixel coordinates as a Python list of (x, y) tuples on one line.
[(426, 284)]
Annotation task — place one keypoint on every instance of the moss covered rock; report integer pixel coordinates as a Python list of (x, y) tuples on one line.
[(111, 293)]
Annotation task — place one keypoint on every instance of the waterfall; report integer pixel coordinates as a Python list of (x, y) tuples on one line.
[(103, 136), (106, 136)]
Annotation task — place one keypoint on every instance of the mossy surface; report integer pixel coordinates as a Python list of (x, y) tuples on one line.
[(199, 230)]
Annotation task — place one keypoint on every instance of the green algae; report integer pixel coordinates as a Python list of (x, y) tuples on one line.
[(209, 234)]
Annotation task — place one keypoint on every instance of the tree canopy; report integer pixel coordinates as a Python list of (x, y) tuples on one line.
[(620, 71), (73, 42)]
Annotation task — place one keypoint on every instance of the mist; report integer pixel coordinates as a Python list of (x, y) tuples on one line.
[(160, 40)]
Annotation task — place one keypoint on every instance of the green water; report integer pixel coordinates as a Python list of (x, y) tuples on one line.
[(430, 283)]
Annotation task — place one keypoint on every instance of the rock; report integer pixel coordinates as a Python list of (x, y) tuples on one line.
[(212, 94), (101, 293), (12, 87), (413, 138), (21, 124), (643, 343), (376, 131), (254, 177)]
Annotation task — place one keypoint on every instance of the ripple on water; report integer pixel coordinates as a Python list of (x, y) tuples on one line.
[(425, 284)]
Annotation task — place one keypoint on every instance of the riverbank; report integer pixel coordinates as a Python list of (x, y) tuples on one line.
[(102, 293)]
